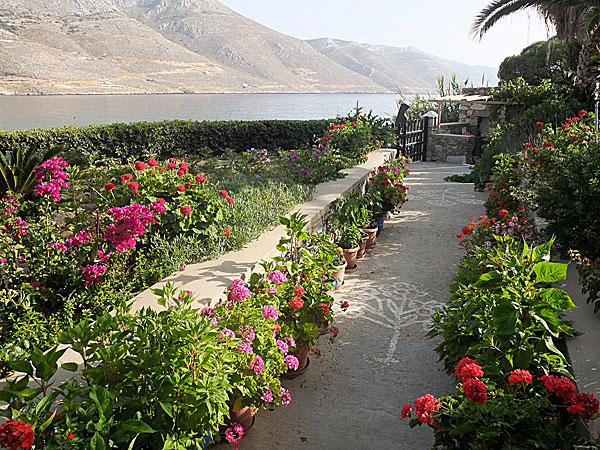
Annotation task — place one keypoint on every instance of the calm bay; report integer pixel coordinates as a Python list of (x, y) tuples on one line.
[(27, 112)]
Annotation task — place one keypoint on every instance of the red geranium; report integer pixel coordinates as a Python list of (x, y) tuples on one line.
[(161, 201), (424, 406), (180, 172), (15, 434), (406, 411), (109, 187), (125, 178), (139, 166), (296, 302), (180, 188), (466, 231), (299, 291), (475, 390), (562, 386), (184, 166), (582, 113), (152, 162), (200, 179), (539, 125), (171, 166), (185, 210), (226, 231), (134, 187), (519, 376), (188, 185), (224, 193), (502, 212), (586, 404), (229, 200)]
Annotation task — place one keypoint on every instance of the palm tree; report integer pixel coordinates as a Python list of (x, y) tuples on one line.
[(577, 22)]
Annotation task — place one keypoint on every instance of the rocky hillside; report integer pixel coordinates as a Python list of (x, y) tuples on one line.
[(406, 67), (112, 46)]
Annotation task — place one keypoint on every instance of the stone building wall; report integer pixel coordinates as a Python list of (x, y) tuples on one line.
[(452, 148)]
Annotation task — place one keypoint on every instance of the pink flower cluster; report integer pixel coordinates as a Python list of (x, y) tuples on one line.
[(285, 396), (283, 346), (91, 274), (270, 312), (267, 395), (54, 171), (277, 277), (245, 347), (239, 291), (130, 222), (292, 362), (234, 433), (80, 238), (257, 365)]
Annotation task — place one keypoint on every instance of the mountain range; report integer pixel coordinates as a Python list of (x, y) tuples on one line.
[(151, 46)]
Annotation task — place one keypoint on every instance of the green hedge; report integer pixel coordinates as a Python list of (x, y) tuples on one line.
[(174, 137)]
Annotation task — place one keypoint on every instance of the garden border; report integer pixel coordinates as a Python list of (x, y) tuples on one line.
[(208, 280)]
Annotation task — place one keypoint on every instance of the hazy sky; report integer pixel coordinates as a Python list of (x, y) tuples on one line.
[(439, 27)]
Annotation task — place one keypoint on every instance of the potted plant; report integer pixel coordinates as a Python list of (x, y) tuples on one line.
[(350, 237)]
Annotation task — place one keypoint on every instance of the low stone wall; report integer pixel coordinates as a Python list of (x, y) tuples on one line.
[(454, 148)]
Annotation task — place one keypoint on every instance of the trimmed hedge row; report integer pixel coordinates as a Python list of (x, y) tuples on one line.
[(173, 137)]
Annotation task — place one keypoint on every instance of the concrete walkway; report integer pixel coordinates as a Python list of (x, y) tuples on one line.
[(350, 398)]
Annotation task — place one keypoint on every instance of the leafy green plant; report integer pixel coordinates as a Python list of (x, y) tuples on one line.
[(502, 313), (349, 236), (149, 381)]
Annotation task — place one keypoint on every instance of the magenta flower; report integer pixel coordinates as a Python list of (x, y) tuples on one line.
[(257, 365), (234, 433), (245, 347), (283, 347), (240, 293), (267, 395), (273, 290), (207, 311), (277, 277), (248, 333), (270, 312), (130, 222), (292, 362), (91, 274), (226, 332), (285, 396), (290, 341)]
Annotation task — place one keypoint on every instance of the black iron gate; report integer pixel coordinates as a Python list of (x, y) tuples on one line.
[(412, 136)]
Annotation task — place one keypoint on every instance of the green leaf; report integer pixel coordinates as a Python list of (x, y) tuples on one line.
[(21, 366), (550, 345), (43, 370), (547, 272), (557, 299), (505, 318), (489, 280), (97, 442), (542, 250), (167, 408), (137, 426), (47, 423), (71, 367), (103, 400)]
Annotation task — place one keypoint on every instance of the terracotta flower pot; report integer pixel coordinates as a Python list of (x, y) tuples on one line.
[(339, 276), (301, 353), (371, 237), (242, 416), (362, 248), (350, 255)]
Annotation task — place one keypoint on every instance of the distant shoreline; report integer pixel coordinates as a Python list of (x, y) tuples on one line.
[(75, 94)]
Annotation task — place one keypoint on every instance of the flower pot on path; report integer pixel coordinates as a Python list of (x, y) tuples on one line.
[(379, 221), (350, 255), (362, 248), (301, 353), (339, 276), (371, 237)]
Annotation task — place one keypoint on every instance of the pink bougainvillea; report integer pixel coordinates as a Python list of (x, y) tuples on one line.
[(129, 222), (53, 172)]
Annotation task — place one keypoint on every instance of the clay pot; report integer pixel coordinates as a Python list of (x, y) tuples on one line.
[(371, 237), (242, 416), (350, 255), (362, 248), (339, 276), (301, 353)]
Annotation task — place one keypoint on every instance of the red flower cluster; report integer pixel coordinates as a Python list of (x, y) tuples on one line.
[(139, 166), (296, 302), (125, 178), (424, 406), (299, 291), (185, 210), (226, 231), (585, 404), (475, 390), (226, 195), (562, 386), (200, 179), (15, 434), (468, 368), (519, 376), (152, 162), (406, 411), (109, 187)]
